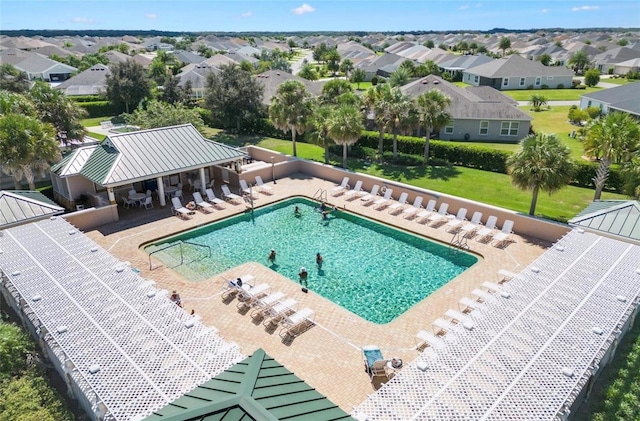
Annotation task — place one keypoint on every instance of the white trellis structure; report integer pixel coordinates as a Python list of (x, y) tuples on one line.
[(122, 346), (534, 346)]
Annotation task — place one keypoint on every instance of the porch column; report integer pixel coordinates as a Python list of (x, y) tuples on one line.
[(161, 196), (112, 196), (203, 180)]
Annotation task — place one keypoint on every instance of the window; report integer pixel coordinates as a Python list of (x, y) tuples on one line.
[(589, 104), (505, 81), (522, 80), (549, 77), (509, 128), (484, 128), (476, 78), (468, 76), (538, 81), (448, 129)]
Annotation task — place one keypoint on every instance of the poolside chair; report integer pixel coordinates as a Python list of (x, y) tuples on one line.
[(201, 204), (483, 295), (263, 188), (487, 232), (126, 202), (247, 295), (180, 210), (232, 286), (374, 362), (262, 304), (383, 203), (228, 196), (367, 198), (455, 223), (211, 197), (355, 192), (504, 236), (343, 187), (412, 210), (398, 206), (467, 304), (459, 317), (440, 216), (274, 314), (246, 190), (424, 338), (428, 210), (297, 322), (147, 203), (443, 326), (470, 228), (505, 275)]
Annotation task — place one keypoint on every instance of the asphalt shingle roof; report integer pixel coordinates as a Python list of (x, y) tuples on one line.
[(516, 65), (624, 97)]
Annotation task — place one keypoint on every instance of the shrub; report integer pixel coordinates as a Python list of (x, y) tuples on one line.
[(530, 87), (591, 77), (374, 80), (577, 116), (585, 171), (560, 86), (544, 87), (404, 159), (575, 83), (87, 98), (594, 112), (580, 87), (119, 119), (98, 108)]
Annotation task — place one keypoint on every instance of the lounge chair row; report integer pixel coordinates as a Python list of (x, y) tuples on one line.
[(273, 307)]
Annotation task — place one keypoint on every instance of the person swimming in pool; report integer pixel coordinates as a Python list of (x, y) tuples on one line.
[(296, 212), (272, 256)]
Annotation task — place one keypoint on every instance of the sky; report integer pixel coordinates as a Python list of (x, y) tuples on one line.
[(315, 15)]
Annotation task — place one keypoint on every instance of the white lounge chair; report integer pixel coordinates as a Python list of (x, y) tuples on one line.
[(472, 226), (274, 314), (244, 187), (180, 210), (424, 338), (467, 304), (505, 275), (297, 322), (261, 304), (398, 206), (428, 210), (371, 195), (454, 224), (228, 196), (201, 204), (232, 286), (355, 192), (486, 232), (441, 326), (440, 216), (412, 210), (382, 203), (466, 321), (343, 187), (263, 188), (211, 197), (483, 295), (247, 295), (504, 236)]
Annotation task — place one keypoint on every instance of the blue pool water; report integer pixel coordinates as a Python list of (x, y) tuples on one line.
[(372, 270)]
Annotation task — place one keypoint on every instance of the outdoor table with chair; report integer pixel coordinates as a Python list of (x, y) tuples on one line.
[(137, 197)]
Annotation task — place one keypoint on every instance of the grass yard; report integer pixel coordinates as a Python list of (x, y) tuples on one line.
[(364, 86), (550, 94), (483, 186), (555, 121), (90, 122), (617, 81)]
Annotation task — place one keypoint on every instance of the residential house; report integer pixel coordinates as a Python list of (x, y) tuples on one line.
[(477, 114), (37, 66), (606, 62), (625, 67), (462, 63), (272, 79), (196, 75), (116, 57), (516, 72), (371, 66), (624, 98), (92, 81), (187, 57)]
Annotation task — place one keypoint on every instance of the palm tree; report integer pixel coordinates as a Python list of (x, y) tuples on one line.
[(345, 128), (308, 72), (290, 109), (579, 61), (545, 59), (505, 44), (432, 112), (333, 89), (538, 101), (319, 124), (541, 163), (398, 109), (357, 76), (611, 138), (400, 77), (374, 103), (346, 67)]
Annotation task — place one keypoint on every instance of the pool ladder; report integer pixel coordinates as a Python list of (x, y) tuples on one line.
[(321, 195), (458, 242)]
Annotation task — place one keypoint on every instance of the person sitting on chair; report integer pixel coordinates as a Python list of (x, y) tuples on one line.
[(303, 276)]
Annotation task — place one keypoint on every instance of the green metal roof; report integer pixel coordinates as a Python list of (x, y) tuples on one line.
[(257, 388), (617, 217), (20, 206), (100, 162), (60, 164)]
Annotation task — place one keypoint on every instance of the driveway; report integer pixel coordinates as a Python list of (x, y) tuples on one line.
[(296, 66)]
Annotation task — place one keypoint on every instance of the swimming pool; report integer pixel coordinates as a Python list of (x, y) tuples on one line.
[(371, 269)]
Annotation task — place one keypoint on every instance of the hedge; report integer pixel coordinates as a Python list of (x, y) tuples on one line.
[(98, 108), (87, 98), (586, 171)]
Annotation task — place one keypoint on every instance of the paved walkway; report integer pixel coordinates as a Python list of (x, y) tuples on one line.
[(328, 356)]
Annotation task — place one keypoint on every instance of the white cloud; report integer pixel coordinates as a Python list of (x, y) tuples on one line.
[(581, 8), (305, 8), (151, 16), (247, 14), (545, 10), (464, 7), (83, 20)]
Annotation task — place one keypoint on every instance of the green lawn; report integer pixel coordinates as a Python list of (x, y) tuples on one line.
[(550, 94), (363, 86), (555, 121), (617, 81), (483, 186), (91, 122)]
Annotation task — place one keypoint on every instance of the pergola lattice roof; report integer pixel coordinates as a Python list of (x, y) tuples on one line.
[(123, 341), (533, 347)]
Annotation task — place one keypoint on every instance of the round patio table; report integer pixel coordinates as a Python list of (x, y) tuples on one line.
[(169, 190), (137, 197)]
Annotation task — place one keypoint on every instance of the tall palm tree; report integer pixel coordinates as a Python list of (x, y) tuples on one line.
[(319, 124), (432, 111), (398, 110), (374, 104), (345, 128), (542, 163), (290, 109), (611, 138), (505, 44), (579, 61)]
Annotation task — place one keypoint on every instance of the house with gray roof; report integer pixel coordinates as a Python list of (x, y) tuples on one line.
[(187, 57), (37, 66), (627, 66), (624, 98), (607, 60), (371, 66), (516, 72), (92, 81), (462, 63), (475, 114), (196, 75), (272, 79), (144, 159), (23, 206)]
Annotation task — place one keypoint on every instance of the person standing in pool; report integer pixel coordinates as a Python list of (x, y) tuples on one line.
[(296, 212), (272, 256), (303, 276), (319, 260)]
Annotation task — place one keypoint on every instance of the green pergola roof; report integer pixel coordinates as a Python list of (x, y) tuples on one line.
[(617, 217), (257, 388)]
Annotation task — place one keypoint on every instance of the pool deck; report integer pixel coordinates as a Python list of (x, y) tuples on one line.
[(328, 356)]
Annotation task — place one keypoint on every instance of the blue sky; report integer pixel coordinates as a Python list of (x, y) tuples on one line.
[(315, 15)]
